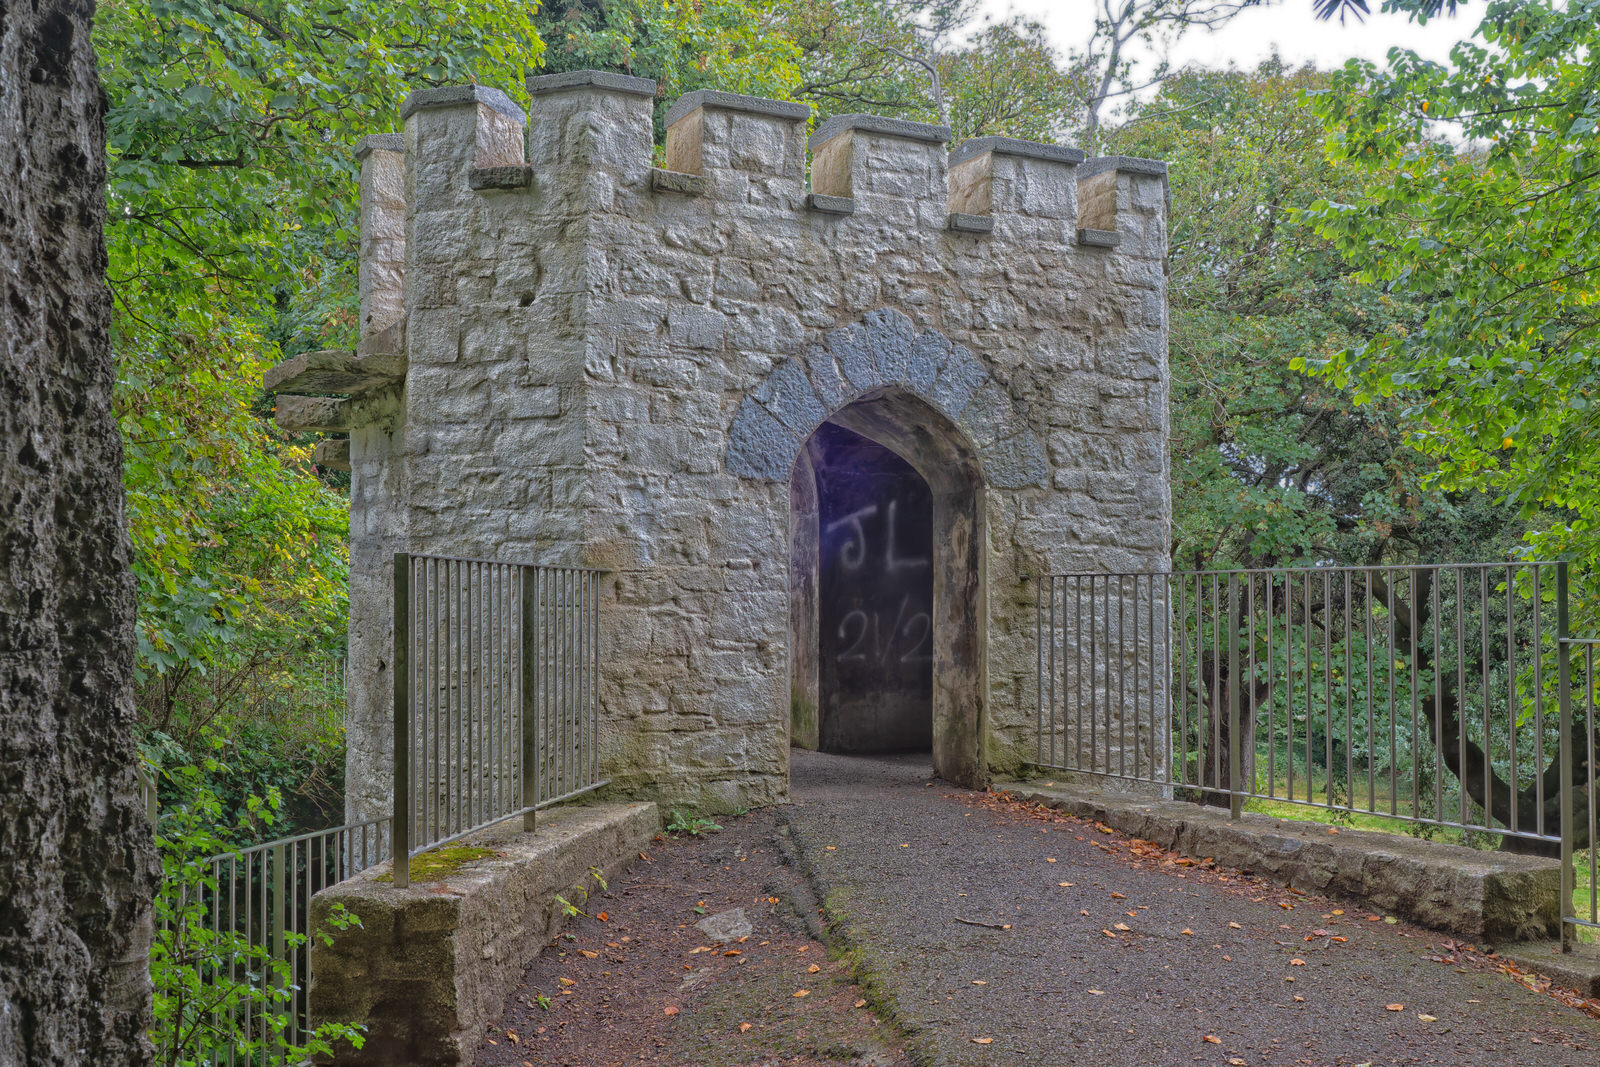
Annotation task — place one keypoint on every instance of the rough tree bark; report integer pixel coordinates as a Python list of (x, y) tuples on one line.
[(76, 860)]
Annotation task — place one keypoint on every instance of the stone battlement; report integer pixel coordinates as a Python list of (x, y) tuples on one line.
[(727, 153), (572, 355)]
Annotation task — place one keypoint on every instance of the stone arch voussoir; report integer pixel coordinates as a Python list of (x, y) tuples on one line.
[(883, 350)]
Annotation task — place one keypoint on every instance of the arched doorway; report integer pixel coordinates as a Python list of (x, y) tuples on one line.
[(887, 606)]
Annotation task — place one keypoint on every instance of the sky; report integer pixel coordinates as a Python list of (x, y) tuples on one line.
[(1287, 25)]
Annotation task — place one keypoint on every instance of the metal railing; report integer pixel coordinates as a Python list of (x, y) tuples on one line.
[(242, 920), (1435, 695), (1581, 734), (496, 697)]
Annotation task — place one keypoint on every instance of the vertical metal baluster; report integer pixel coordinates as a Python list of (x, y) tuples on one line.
[(1415, 644), (1288, 681), (1349, 698), (594, 659), (1564, 667), (1248, 773), (1058, 638), (1235, 703), (1392, 670), (575, 694), (401, 804), (1589, 734), (1094, 673), (450, 717), (474, 761), (580, 619), (1311, 675), (547, 660), (1134, 604), (1327, 688), (498, 751), (1511, 693), (1461, 692), (1155, 676), (1183, 677), (1038, 715), (296, 889), (1488, 736), (439, 704), (1272, 690), (1105, 586), (1538, 701), (441, 709), (528, 679), (497, 690), (1438, 704), (561, 709), (1372, 718), (422, 701), (1122, 678), (1214, 694)]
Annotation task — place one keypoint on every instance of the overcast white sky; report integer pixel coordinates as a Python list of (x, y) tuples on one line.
[(1288, 25)]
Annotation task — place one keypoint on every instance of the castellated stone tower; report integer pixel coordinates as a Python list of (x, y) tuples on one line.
[(823, 435)]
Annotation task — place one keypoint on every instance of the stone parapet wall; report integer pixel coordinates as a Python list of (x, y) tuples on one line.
[(612, 365), (429, 968)]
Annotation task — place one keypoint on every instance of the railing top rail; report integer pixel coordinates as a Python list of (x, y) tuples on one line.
[(265, 846), (1379, 568), (505, 563)]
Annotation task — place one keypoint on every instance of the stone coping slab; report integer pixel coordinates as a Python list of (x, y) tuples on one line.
[(750, 105), (1492, 897), (540, 84), (1015, 146), (1129, 164), (379, 142), (431, 965), (456, 95), (904, 128)]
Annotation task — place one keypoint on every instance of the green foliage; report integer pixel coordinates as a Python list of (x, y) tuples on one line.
[(887, 56), (732, 45), (1272, 465), (691, 824), (231, 236), (211, 977), (302, 776), (1479, 211), (581, 892), (1007, 79)]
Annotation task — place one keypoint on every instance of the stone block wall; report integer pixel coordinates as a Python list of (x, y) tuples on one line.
[(617, 366)]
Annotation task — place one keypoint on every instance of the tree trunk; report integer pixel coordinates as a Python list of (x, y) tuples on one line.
[(76, 860)]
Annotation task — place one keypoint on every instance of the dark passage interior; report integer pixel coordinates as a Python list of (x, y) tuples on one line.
[(874, 597)]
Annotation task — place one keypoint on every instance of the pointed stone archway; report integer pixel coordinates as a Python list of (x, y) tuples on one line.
[(932, 405)]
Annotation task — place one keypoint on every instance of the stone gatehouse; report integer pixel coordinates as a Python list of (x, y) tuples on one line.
[(823, 433)]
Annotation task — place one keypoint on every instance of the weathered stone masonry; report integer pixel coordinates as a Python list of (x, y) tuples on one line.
[(573, 357)]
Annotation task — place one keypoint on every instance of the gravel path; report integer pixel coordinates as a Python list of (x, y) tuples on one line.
[(995, 934)]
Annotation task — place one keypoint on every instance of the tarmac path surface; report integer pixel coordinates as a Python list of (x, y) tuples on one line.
[(993, 933)]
